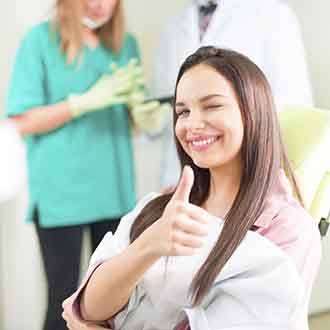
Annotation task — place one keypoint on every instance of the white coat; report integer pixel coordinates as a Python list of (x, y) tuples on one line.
[(267, 31)]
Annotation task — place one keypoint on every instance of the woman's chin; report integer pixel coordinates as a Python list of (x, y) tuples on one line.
[(203, 163)]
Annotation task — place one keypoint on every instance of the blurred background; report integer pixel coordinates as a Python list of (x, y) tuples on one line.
[(22, 287)]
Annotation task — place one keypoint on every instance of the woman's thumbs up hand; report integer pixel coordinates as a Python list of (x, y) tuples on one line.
[(180, 229)]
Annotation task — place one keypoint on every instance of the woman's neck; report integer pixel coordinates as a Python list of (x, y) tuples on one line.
[(91, 39), (224, 186)]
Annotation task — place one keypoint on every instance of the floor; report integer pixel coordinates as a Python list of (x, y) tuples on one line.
[(320, 322)]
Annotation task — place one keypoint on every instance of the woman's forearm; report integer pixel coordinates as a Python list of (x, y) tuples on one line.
[(43, 119), (112, 284)]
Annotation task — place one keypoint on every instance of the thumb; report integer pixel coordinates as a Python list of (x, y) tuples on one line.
[(183, 189)]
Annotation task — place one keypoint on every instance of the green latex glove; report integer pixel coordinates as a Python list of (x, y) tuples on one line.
[(109, 90), (151, 117), (136, 97)]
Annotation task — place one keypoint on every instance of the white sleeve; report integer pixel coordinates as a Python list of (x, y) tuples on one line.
[(13, 176), (110, 246), (164, 76), (286, 66)]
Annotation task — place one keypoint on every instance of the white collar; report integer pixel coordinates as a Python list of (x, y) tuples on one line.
[(205, 2)]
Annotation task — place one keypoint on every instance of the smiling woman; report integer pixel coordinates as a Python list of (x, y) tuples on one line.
[(209, 125), (213, 253)]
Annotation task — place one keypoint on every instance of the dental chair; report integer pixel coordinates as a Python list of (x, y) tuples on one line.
[(306, 134)]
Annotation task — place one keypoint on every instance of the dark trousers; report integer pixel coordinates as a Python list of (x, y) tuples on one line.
[(61, 251)]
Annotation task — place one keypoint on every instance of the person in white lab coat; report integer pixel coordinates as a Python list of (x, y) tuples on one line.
[(213, 254), (267, 31)]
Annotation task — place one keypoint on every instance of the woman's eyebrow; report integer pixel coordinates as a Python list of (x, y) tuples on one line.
[(202, 99), (179, 104), (210, 96)]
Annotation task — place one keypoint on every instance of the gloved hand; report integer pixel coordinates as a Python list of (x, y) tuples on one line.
[(150, 117), (109, 90)]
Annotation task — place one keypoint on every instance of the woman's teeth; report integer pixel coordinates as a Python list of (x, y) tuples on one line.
[(200, 143)]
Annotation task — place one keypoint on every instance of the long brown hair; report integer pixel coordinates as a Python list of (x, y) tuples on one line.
[(68, 15), (263, 155)]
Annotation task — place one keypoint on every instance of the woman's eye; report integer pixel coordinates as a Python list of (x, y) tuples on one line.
[(214, 107), (184, 112)]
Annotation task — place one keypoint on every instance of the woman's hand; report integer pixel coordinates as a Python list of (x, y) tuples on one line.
[(72, 322), (180, 230), (151, 117), (109, 90)]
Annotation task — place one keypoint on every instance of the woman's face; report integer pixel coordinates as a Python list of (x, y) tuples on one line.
[(99, 11), (209, 125)]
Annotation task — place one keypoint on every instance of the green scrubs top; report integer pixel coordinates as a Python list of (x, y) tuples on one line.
[(82, 172)]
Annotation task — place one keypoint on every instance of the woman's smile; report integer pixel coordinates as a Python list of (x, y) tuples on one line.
[(203, 143)]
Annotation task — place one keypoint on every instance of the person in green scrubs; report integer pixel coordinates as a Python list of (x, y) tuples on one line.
[(71, 106)]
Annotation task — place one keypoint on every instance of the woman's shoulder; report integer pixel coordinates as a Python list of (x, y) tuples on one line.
[(40, 30), (297, 222), (129, 49), (304, 225), (130, 37), (39, 38), (284, 219), (130, 43), (296, 233)]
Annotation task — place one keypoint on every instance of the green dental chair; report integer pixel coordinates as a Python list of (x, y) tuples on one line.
[(306, 134)]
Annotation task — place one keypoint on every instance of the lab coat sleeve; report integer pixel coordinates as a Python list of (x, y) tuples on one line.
[(162, 81), (286, 65), (26, 88), (163, 84), (110, 246)]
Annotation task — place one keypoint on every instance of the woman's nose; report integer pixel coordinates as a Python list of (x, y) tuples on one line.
[(196, 122), (94, 3)]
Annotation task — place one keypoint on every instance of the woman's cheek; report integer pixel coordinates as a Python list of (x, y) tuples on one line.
[(178, 129), (180, 133)]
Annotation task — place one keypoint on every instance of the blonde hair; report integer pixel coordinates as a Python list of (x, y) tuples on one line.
[(68, 23)]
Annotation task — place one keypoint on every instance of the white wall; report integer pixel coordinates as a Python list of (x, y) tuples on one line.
[(22, 298)]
